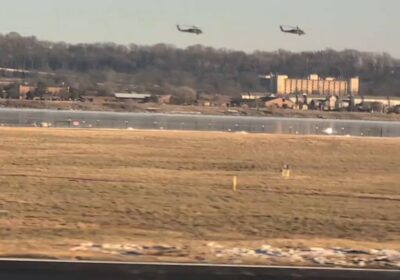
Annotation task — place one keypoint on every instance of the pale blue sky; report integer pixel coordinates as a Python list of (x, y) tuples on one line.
[(371, 25)]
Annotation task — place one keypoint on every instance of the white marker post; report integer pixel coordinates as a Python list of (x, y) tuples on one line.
[(234, 183), (286, 171)]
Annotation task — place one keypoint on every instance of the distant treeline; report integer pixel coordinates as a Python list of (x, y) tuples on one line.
[(162, 67)]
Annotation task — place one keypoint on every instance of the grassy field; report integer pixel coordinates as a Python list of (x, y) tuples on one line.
[(63, 186)]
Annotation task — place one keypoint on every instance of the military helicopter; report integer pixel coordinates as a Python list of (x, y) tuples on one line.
[(190, 29), (292, 30)]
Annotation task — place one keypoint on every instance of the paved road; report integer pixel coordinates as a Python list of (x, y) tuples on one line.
[(79, 119), (13, 269)]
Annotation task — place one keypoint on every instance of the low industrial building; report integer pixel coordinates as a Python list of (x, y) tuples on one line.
[(389, 101), (252, 95), (139, 97), (250, 99), (349, 103)]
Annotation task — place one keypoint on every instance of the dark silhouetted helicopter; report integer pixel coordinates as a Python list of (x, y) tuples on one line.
[(190, 29), (292, 30)]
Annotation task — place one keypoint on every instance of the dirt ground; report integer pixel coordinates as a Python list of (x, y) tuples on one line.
[(59, 188)]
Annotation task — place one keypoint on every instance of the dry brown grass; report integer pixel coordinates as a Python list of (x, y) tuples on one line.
[(125, 185)]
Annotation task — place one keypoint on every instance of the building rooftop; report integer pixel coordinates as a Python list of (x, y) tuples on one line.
[(253, 95), (132, 95)]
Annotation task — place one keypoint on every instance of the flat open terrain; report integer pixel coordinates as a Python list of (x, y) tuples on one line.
[(62, 187)]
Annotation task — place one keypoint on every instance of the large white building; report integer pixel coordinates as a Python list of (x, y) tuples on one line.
[(283, 85)]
